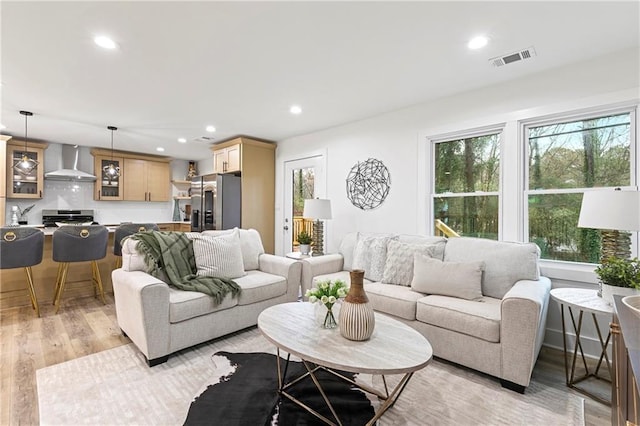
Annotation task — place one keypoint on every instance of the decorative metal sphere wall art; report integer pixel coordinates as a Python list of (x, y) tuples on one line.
[(368, 184)]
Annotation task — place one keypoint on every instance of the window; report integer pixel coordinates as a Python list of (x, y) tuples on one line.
[(564, 159), (466, 184)]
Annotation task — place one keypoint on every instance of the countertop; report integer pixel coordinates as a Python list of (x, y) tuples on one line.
[(110, 226)]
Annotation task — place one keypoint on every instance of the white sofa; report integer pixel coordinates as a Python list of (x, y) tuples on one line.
[(161, 319), (500, 333)]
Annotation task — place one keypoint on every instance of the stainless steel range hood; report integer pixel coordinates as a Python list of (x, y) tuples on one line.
[(69, 167)]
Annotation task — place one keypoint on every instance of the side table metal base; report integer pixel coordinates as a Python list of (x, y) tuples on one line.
[(570, 374)]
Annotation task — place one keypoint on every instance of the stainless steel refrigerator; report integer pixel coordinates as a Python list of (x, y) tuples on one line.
[(216, 202)]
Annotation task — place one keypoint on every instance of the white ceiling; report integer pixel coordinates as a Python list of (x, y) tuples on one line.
[(240, 65)]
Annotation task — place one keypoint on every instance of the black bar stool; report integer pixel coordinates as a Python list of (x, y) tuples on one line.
[(22, 248), (125, 230), (79, 243)]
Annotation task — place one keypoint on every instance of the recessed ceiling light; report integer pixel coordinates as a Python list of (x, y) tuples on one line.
[(182, 140), (105, 42), (210, 129), (160, 149), (295, 109), (478, 42)]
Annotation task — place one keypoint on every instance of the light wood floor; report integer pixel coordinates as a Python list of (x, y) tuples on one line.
[(85, 326)]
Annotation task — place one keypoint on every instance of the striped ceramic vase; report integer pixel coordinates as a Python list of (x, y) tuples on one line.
[(356, 314)]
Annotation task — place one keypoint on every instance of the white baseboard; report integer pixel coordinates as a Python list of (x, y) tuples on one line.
[(590, 345)]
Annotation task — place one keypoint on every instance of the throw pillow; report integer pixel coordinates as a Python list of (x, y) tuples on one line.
[(370, 254), (219, 257), (456, 279), (398, 268)]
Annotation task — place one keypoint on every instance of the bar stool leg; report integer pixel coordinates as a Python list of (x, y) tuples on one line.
[(57, 286), (32, 290), (98, 280), (62, 279)]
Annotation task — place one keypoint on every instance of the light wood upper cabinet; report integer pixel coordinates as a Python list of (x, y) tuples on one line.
[(142, 177), (228, 159), (107, 187), (146, 180), (158, 178), (255, 162), (25, 185)]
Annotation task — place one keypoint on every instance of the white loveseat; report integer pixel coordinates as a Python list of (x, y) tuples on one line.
[(500, 332), (161, 319)]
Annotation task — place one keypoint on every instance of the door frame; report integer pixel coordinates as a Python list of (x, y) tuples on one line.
[(320, 191)]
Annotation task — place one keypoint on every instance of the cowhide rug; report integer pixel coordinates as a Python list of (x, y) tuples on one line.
[(247, 395)]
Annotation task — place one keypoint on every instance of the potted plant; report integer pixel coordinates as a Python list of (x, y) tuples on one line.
[(304, 239), (619, 276)]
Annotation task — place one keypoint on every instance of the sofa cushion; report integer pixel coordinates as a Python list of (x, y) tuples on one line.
[(439, 243), (456, 279), (393, 299), (370, 255), (258, 286), (479, 319), (398, 268), (250, 244), (218, 256), (505, 262), (184, 305), (347, 245)]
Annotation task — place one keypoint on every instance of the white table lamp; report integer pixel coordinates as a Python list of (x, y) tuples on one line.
[(319, 210), (612, 212)]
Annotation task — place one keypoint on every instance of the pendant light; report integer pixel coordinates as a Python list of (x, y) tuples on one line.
[(112, 171), (25, 165)]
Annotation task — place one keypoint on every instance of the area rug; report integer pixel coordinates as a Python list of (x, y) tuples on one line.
[(117, 387), (246, 396)]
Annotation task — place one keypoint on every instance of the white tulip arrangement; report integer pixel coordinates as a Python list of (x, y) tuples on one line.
[(328, 293)]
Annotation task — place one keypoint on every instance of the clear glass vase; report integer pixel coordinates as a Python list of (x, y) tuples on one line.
[(326, 315)]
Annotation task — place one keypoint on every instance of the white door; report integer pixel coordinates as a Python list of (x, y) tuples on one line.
[(304, 178)]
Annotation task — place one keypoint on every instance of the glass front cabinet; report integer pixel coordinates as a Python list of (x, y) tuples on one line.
[(25, 169), (108, 186)]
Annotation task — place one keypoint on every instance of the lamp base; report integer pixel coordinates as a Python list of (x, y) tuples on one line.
[(318, 238), (615, 244)]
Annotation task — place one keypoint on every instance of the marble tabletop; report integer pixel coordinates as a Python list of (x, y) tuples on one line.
[(584, 299), (394, 347)]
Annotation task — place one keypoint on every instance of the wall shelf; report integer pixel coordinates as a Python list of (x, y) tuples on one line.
[(181, 198), (181, 182)]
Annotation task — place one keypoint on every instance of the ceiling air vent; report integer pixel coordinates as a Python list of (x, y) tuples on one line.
[(204, 139), (513, 57)]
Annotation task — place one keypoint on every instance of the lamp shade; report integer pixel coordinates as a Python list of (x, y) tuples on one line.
[(317, 209), (615, 210)]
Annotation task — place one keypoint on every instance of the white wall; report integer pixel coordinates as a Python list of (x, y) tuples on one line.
[(398, 139), (66, 195)]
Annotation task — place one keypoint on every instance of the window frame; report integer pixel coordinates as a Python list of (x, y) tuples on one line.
[(497, 129), (592, 113)]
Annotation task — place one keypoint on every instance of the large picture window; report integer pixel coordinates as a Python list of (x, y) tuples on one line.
[(466, 184), (565, 158)]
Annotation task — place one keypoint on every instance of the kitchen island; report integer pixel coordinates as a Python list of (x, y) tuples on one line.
[(13, 282)]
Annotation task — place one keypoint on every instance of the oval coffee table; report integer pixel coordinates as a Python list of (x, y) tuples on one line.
[(394, 348)]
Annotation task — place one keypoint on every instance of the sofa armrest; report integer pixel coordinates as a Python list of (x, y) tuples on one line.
[(320, 265), (522, 327), (142, 309), (285, 267)]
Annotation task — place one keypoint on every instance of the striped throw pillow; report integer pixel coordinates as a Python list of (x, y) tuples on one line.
[(219, 256)]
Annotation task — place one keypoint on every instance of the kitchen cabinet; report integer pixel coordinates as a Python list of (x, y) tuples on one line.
[(143, 177), (256, 165), (228, 159), (107, 186), (24, 185), (146, 180)]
